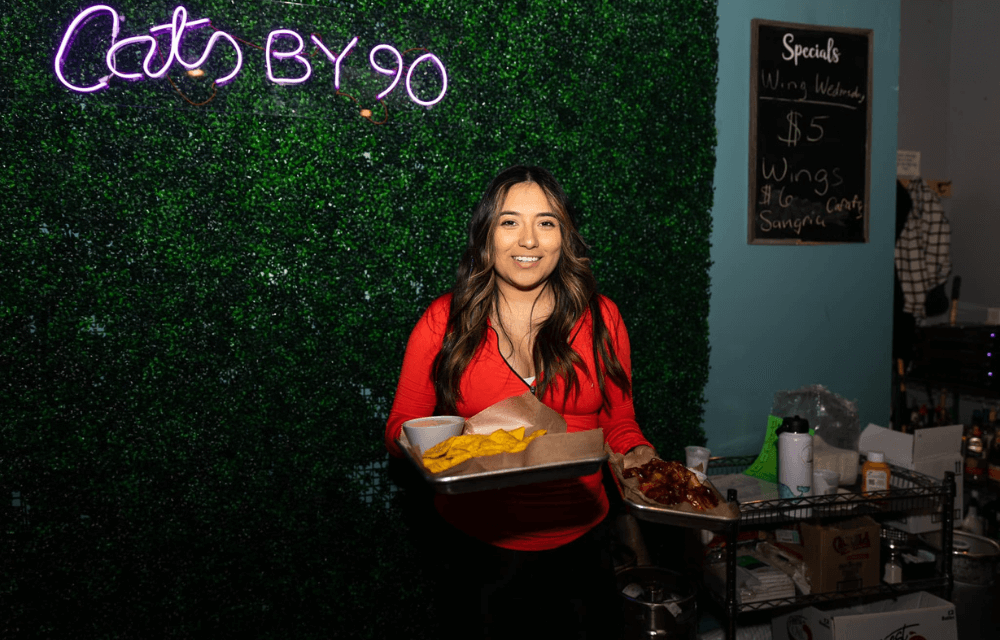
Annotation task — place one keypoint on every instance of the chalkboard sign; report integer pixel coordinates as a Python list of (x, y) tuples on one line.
[(810, 134)]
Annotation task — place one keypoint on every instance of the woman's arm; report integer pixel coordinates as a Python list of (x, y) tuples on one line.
[(621, 431), (415, 395)]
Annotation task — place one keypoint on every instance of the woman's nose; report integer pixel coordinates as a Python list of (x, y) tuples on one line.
[(528, 237)]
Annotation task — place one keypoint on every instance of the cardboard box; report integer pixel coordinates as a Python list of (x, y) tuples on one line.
[(914, 615), (841, 556), (908, 450), (927, 520), (932, 452)]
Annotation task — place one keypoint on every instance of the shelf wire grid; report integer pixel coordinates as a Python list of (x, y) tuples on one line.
[(909, 492)]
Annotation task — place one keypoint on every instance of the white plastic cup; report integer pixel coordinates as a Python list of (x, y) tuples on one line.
[(825, 482), (695, 456)]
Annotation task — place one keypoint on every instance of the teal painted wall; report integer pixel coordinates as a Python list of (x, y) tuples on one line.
[(781, 316)]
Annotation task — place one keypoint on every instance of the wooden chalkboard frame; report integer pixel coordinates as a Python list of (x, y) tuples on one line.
[(860, 235)]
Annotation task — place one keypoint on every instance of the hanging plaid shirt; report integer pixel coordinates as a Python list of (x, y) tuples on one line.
[(923, 250)]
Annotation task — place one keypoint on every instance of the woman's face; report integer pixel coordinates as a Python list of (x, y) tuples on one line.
[(527, 241)]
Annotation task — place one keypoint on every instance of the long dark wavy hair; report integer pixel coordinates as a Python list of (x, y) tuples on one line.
[(476, 294)]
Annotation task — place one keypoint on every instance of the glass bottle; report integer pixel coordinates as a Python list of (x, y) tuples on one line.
[(972, 522), (894, 564), (993, 462), (974, 469)]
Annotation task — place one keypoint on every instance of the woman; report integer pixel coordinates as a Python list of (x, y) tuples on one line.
[(525, 314)]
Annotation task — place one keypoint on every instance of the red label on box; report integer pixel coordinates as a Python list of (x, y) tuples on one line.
[(848, 544)]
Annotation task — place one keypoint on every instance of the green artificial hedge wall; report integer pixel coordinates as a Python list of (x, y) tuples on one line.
[(205, 291)]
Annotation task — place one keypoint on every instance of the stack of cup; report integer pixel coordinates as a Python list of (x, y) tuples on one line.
[(825, 482), (695, 456)]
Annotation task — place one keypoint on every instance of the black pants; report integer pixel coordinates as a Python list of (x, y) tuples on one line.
[(564, 593)]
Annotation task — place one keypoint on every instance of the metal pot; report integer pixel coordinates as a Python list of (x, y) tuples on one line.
[(973, 558), (658, 605)]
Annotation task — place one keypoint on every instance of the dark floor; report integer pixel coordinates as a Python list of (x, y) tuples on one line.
[(978, 611)]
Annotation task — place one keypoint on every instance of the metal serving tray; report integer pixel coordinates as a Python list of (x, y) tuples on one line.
[(666, 515), (503, 478)]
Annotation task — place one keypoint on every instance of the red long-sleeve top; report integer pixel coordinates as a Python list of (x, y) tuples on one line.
[(531, 517)]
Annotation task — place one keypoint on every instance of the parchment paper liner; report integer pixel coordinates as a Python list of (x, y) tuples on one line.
[(630, 489), (524, 410)]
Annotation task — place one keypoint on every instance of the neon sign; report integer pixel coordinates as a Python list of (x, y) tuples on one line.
[(269, 52), (276, 49), (340, 58)]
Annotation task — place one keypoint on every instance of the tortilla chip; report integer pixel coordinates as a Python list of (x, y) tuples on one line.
[(457, 449)]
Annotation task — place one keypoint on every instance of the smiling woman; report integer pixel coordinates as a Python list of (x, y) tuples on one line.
[(525, 314), (527, 244)]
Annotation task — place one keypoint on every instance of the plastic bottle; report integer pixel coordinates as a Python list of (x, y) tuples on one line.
[(795, 458), (875, 473)]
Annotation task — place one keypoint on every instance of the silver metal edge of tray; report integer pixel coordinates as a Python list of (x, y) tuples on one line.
[(503, 478), (665, 515)]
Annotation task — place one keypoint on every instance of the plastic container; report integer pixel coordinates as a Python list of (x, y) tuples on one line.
[(424, 433), (875, 473)]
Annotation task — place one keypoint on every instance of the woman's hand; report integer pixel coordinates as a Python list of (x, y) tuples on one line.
[(638, 456)]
